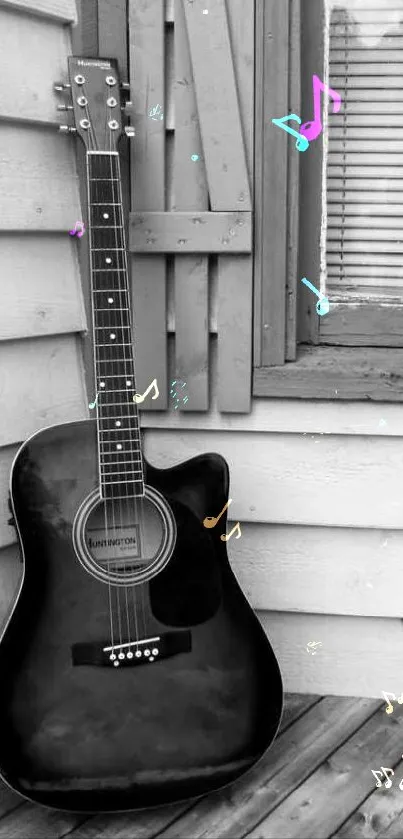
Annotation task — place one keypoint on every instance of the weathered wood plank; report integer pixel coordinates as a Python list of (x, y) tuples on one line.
[(51, 302), (335, 373), (186, 231), (10, 577), (63, 10), (141, 825), (343, 782), (360, 656), (43, 382), (375, 815), (112, 32), (394, 831), (295, 705), (271, 184), (9, 800), (190, 193), (275, 478), (38, 180), (7, 533), (258, 226), (363, 323), (293, 757), (38, 823), (234, 334), (235, 275), (45, 46), (217, 102), (293, 179), (146, 44)]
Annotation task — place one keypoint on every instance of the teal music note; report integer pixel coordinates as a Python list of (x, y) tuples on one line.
[(302, 143)]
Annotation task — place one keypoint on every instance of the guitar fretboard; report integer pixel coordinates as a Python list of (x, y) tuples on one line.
[(119, 445)]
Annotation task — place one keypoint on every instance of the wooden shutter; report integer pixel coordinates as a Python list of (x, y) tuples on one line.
[(364, 184), (190, 228)]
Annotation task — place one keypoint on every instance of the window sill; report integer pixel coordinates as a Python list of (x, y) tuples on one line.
[(355, 373)]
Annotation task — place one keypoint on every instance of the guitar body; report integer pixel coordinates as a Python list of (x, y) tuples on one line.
[(82, 732)]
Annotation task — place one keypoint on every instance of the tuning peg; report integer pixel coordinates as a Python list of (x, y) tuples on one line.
[(130, 131), (125, 86), (65, 108), (60, 87), (67, 129)]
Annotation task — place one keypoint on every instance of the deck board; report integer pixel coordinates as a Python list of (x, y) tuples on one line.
[(314, 782)]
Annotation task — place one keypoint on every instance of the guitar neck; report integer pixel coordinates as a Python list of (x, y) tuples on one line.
[(119, 445)]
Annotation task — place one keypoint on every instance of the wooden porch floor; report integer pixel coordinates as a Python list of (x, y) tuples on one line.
[(315, 782)]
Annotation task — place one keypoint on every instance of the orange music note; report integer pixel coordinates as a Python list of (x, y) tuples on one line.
[(311, 130), (210, 521), (225, 538)]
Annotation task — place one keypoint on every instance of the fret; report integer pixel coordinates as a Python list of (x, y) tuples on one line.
[(120, 326), (122, 463), (103, 179), (132, 481), (122, 451), (109, 492), (106, 249), (103, 204), (119, 472), (112, 310)]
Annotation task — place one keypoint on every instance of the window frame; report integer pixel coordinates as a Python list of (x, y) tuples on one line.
[(289, 361)]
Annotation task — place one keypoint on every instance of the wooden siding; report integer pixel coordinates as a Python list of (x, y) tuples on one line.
[(42, 312)]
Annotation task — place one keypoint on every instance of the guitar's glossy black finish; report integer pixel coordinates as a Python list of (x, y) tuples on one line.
[(96, 739)]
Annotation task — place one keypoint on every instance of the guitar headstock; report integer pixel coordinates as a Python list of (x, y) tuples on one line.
[(96, 102)]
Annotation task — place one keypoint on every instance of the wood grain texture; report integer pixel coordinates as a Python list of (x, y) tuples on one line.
[(37, 823), (146, 48), (112, 33), (142, 825), (234, 329), (295, 705), (51, 301), (190, 193), (274, 478), (358, 656), (63, 10), (38, 180), (367, 323), (217, 103), (272, 171), (336, 372), (190, 232), (43, 382), (235, 275), (293, 757), (7, 533), (375, 814), (10, 575), (319, 570), (45, 44), (293, 196), (343, 781)]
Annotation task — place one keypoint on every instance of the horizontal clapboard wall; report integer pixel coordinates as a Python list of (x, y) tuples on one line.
[(42, 313)]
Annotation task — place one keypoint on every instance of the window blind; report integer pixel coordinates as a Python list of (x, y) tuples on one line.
[(364, 171)]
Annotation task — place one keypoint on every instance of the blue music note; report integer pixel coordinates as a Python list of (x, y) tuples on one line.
[(302, 143)]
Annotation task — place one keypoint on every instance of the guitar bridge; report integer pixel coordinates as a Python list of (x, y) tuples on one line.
[(132, 653)]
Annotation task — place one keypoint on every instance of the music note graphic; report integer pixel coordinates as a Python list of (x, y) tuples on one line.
[(75, 232), (225, 538), (210, 521), (322, 306), (176, 385), (312, 129), (302, 143), (388, 782), (138, 397)]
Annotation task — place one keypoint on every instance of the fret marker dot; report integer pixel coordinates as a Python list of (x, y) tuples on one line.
[(119, 446), (112, 336), (118, 423), (128, 383), (105, 215), (102, 384), (110, 299), (108, 260)]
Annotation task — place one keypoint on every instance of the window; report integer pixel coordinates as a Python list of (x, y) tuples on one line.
[(333, 214)]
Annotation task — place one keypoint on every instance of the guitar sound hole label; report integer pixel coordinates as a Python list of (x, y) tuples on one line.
[(123, 540)]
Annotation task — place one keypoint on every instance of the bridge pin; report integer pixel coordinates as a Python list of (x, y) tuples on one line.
[(154, 651), (129, 655), (121, 656), (147, 652), (151, 658), (138, 653), (116, 664), (112, 656)]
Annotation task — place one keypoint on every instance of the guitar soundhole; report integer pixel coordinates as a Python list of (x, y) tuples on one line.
[(124, 541)]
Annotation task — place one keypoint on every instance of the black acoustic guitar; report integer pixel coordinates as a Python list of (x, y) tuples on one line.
[(133, 671)]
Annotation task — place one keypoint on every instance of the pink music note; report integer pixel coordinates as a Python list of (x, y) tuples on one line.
[(311, 130)]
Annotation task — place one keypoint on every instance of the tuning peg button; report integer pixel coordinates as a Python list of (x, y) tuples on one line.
[(65, 108), (125, 85), (67, 129), (130, 131)]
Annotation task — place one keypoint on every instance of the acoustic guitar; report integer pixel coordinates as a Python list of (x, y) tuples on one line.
[(133, 671)]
